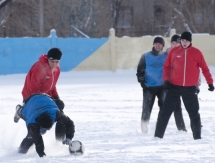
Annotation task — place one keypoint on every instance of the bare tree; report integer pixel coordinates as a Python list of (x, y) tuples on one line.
[(194, 15), (94, 18), (3, 3), (3, 17), (116, 9)]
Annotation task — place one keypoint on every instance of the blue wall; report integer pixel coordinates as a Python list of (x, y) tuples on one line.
[(17, 55)]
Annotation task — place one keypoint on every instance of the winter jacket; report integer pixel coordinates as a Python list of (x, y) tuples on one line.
[(41, 79), (182, 67), (35, 106), (150, 68)]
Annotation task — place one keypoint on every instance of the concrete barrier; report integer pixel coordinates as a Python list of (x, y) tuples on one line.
[(125, 52)]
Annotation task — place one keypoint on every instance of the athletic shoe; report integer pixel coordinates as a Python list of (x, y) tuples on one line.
[(144, 126), (17, 114)]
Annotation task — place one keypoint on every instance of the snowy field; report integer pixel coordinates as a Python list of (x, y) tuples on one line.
[(106, 109)]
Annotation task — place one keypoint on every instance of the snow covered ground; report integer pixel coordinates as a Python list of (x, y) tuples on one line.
[(106, 109)]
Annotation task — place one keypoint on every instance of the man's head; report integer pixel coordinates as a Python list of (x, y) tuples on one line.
[(186, 39), (158, 43), (54, 56), (175, 40), (45, 121)]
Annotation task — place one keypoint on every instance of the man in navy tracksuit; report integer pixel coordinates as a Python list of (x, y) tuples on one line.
[(149, 75), (40, 113)]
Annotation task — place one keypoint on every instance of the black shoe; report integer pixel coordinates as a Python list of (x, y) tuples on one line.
[(17, 114)]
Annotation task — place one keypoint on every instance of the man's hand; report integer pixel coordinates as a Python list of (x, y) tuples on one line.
[(211, 87), (197, 89)]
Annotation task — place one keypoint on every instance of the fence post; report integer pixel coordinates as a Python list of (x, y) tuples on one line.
[(172, 32), (53, 38), (112, 49)]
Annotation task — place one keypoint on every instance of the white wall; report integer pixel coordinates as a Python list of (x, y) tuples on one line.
[(125, 52)]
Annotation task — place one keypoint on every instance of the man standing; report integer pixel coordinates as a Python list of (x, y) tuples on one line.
[(149, 75), (180, 76)]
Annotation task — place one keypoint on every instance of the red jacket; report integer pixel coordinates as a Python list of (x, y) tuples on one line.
[(182, 67), (41, 79)]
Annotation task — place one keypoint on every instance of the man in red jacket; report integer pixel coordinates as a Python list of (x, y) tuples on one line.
[(43, 75), (42, 78), (180, 76)]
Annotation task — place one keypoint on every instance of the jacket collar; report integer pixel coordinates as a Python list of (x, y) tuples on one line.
[(188, 46), (154, 52)]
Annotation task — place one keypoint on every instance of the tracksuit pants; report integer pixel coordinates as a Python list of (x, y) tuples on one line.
[(190, 98)]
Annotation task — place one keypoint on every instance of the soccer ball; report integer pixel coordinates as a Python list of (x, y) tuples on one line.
[(76, 148)]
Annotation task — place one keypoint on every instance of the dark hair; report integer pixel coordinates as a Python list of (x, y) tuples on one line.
[(54, 54), (187, 36), (44, 120), (175, 38), (159, 40)]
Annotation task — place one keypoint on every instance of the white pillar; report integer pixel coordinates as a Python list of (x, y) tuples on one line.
[(113, 58), (172, 32)]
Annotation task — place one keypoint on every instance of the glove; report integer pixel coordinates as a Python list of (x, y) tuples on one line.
[(59, 103), (166, 84), (211, 87), (42, 154), (66, 141), (197, 89)]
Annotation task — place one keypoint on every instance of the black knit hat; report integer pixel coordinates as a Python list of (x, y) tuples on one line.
[(175, 38), (44, 120), (187, 36), (159, 40), (54, 54)]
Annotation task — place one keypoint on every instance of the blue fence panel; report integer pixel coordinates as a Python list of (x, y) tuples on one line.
[(17, 55)]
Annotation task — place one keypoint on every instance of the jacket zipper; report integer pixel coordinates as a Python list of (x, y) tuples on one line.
[(185, 64), (52, 81)]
